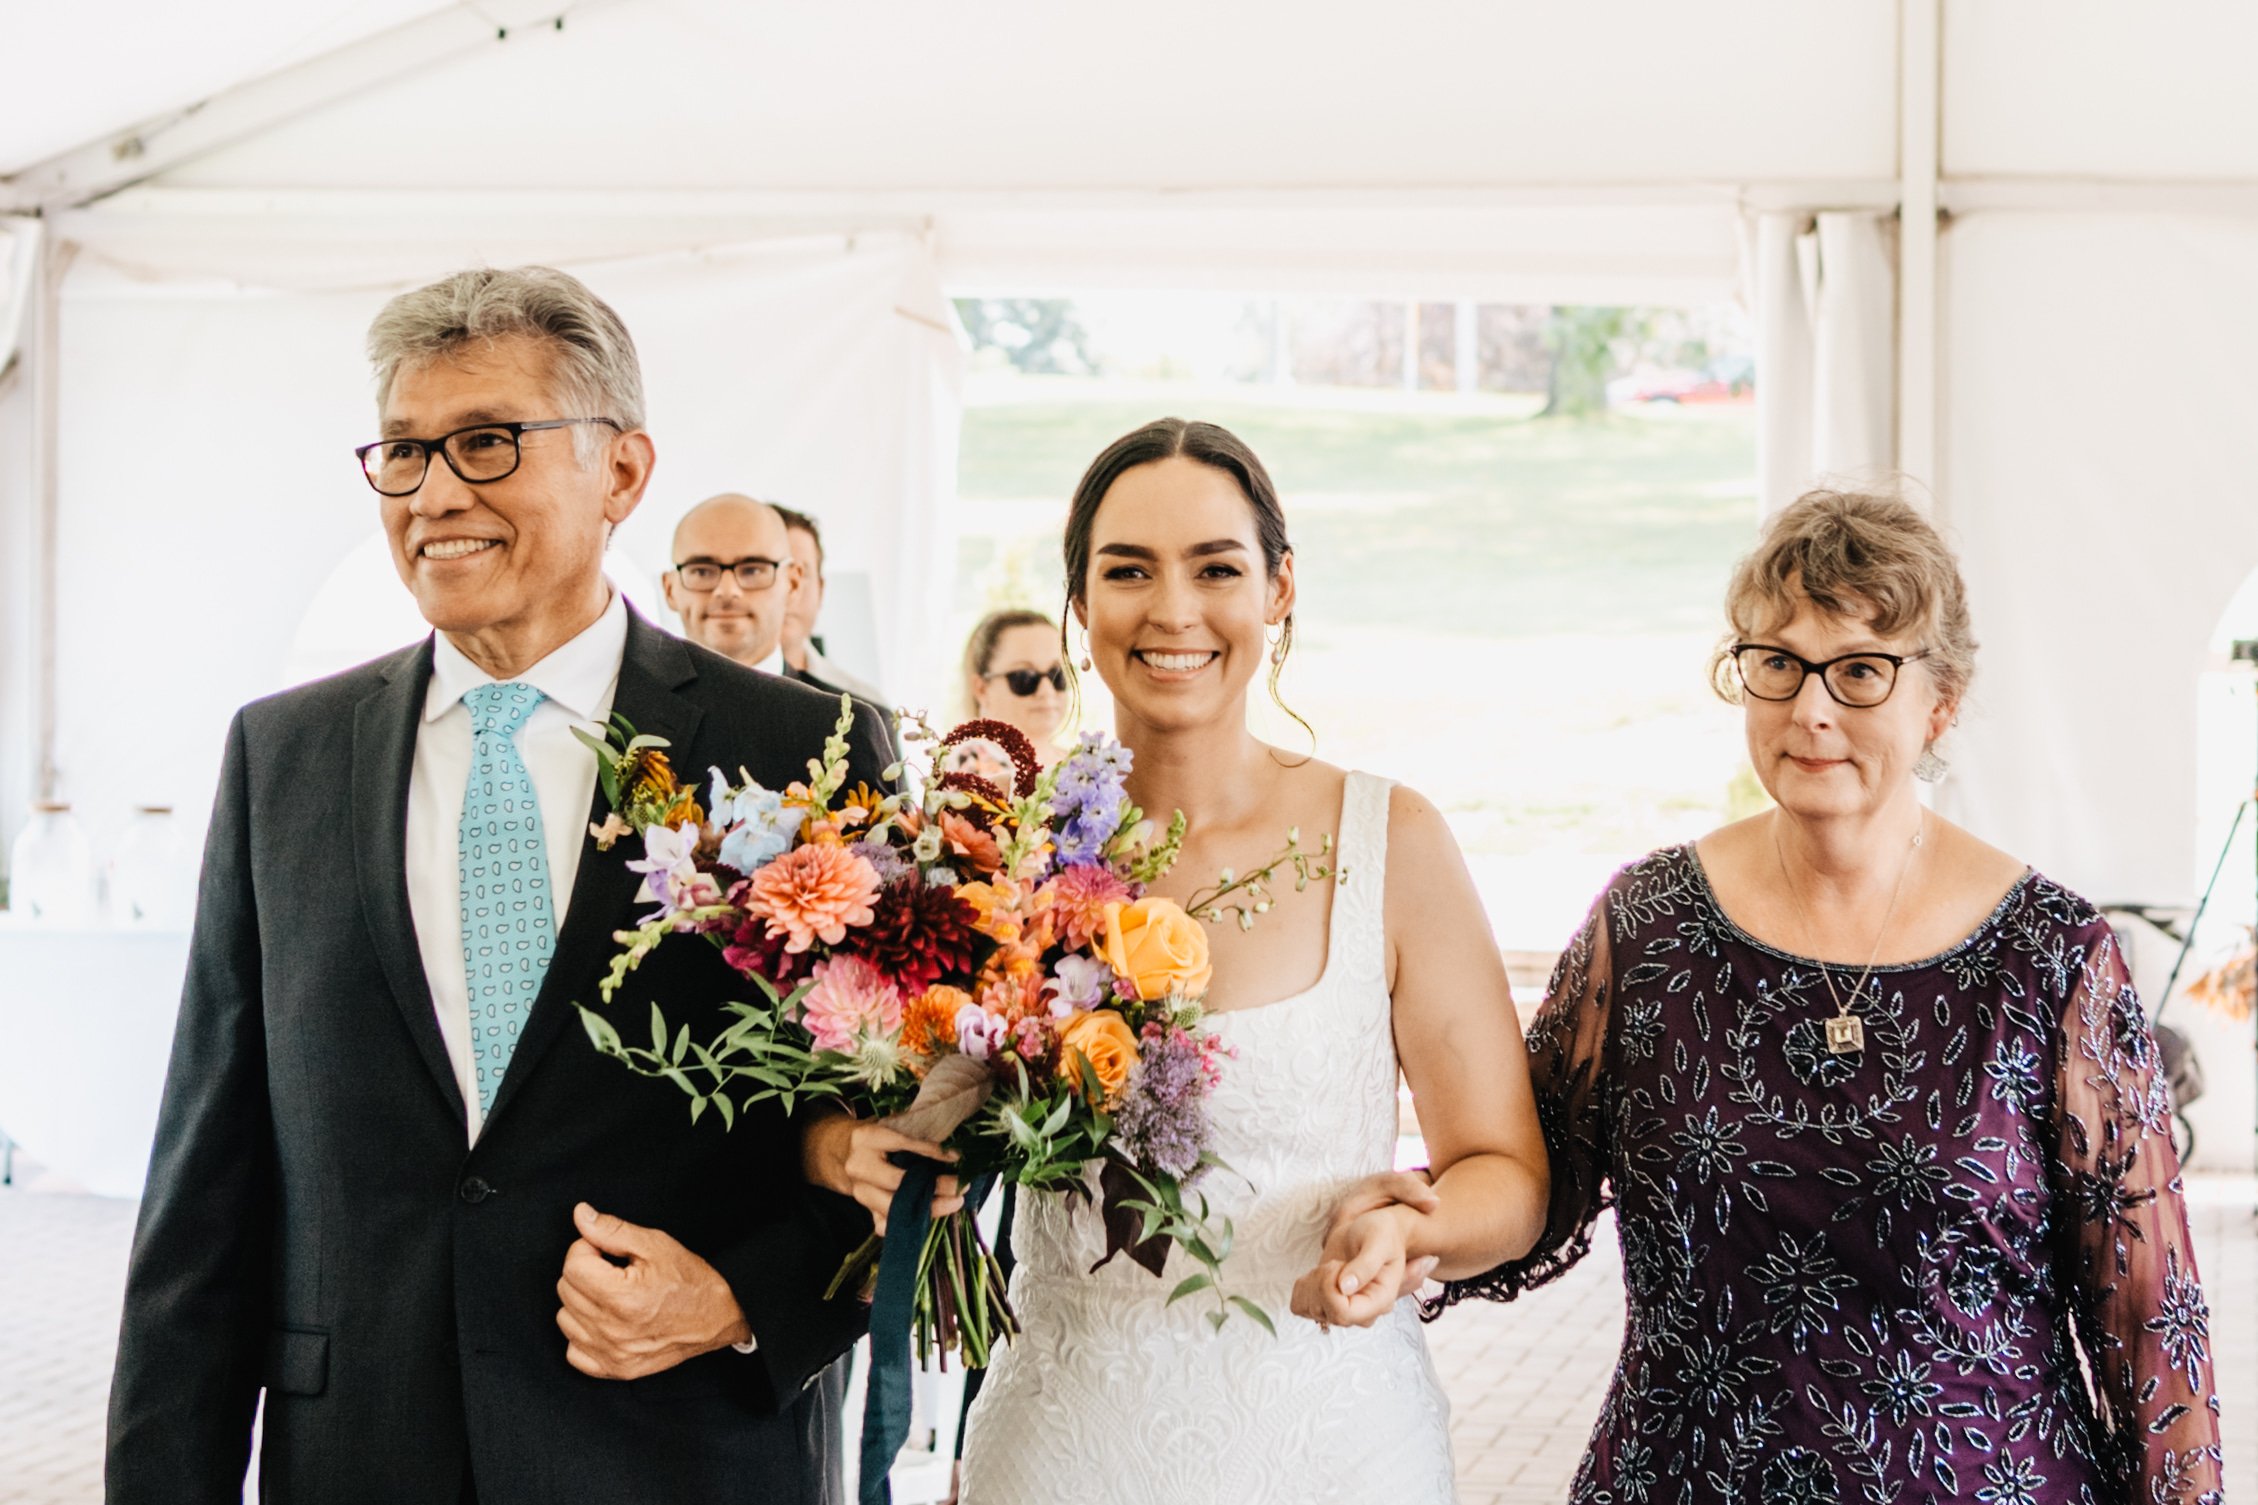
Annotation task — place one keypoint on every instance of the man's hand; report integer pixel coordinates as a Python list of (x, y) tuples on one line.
[(623, 1321), (850, 1156)]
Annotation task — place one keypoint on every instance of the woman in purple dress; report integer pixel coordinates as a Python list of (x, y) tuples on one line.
[(1877, 1109)]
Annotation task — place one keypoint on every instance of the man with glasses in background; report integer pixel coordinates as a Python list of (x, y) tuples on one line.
[(734, 582), (733, 575)]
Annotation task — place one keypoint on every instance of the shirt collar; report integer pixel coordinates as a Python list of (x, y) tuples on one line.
[(774, 663), (579, 674)]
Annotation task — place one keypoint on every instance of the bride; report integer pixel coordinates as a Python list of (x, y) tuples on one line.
[(1179, 569)]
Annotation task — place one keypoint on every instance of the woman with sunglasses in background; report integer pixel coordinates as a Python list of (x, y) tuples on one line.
[(1876, 1106), (1013, 673)]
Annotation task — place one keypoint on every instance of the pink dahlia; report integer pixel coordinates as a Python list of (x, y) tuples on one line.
[(1077, 897), (813, 893), (850, 1000)]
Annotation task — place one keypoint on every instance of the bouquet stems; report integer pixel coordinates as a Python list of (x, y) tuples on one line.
[(961, 1305)]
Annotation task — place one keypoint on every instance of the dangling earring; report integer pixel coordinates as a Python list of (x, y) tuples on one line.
[(1277, 636), (1084, 663), (1929, 768)]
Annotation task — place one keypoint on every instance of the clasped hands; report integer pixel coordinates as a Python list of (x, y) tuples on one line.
[(1367, 1265)]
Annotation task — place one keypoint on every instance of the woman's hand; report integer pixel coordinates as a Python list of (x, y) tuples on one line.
[(1366, 1268), (1410, 1189), (848, 1155)]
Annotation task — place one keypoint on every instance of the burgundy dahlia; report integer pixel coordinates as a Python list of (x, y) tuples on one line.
[(756, 953), (918, 934)]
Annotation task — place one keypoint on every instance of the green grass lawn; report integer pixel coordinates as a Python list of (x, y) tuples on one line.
[(1512, 614), (1489, 525)]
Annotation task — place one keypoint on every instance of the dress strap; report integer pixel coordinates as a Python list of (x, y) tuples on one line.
[(1361, 852)]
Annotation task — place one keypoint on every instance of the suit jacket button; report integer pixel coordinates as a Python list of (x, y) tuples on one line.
[(474, 1189)]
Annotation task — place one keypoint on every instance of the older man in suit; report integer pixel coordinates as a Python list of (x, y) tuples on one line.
[(465, 1256)]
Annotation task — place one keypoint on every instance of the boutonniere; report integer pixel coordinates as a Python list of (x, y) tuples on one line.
[(638, 783)]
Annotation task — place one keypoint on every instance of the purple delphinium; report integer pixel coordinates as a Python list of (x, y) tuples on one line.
[(1163, 1119), (1090, 798)]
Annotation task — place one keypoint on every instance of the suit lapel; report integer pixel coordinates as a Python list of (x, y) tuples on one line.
[(603, 902), (384, 743)]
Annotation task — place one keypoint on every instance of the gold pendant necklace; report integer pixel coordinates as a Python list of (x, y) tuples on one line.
[(1846, 1032)]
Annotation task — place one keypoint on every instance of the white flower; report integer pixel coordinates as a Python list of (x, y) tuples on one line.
[(1077, 983), (980, 1034), (671, 878)]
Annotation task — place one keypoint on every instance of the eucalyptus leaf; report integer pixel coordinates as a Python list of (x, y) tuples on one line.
[(1255, 1312)]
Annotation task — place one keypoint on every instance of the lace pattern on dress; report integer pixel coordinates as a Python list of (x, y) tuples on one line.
[(1112, 1397)]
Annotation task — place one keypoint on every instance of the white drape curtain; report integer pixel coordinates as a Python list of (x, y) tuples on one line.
[(1824, 291), (217, 541), (19, 257)]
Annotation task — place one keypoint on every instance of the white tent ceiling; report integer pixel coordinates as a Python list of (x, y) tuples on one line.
[(2072, 326)]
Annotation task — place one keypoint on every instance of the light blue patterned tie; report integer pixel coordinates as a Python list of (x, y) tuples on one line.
[(508, 926)]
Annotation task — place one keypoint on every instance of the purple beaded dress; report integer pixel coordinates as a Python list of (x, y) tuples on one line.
[(1886, 1276)]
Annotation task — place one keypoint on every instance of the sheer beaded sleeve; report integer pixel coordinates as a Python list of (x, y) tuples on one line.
[(2123, 1233), (1567, 1067)]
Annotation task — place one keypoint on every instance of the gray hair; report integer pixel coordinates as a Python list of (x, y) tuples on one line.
[(592, 357)]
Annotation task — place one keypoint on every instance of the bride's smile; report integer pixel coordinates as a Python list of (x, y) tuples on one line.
[(1180, 598)]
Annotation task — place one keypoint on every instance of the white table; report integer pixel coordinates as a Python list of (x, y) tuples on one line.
[(86, 1022)]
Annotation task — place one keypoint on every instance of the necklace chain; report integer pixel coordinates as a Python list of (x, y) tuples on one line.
[(1803, 916)]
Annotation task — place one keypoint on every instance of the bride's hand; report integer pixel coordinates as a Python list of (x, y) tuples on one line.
[(1409, 1189), (1365, 1270), (849, 1156)]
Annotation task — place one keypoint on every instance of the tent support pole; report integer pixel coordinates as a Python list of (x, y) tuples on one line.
[(1919, 64), (46, 501)]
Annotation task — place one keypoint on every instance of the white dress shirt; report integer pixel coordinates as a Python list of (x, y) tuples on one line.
[(579, 680)]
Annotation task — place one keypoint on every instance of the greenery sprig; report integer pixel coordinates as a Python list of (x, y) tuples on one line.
[(1192, 1226), (1249, 895)]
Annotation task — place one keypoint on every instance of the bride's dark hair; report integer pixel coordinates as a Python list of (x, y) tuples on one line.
[(1211, 445)]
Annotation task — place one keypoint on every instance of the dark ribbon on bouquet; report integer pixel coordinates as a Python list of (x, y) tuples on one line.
[(886, 1404)]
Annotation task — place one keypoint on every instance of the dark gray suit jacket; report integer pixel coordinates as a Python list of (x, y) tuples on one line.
[(315, 1224)]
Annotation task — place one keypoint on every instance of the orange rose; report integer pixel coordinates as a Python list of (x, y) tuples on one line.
[(1157, 948), (1103, 1039)]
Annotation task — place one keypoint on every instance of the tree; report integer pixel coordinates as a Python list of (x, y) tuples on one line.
[(1040, 336), (1589, 346)]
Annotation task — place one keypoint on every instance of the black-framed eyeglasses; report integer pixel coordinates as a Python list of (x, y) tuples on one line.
[(753, 573), (481, 453), (1025, 682), (1859, 680)]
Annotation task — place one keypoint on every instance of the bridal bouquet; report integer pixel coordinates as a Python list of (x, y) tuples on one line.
[(978, 966)]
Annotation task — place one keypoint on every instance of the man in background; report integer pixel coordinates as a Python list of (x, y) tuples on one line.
[(803, 650), (732, 578), (734, 583)]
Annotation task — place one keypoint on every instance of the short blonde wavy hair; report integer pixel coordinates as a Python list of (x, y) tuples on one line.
[(1863, 555)]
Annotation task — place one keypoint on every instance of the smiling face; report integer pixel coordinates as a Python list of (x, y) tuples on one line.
[(1176, 600), (742, 624), (1030, 647), (508, 569), (1818, 759)]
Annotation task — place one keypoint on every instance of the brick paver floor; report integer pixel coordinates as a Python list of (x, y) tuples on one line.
[(1525, 1380)]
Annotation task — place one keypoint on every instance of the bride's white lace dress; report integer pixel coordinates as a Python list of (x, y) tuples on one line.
[(1111, 1397)]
